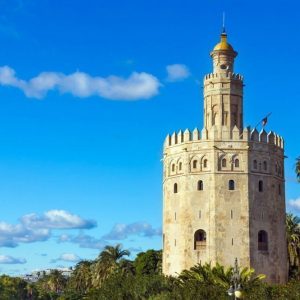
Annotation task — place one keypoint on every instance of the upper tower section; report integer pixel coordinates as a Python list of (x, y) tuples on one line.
[(223, 56), (223, 90)]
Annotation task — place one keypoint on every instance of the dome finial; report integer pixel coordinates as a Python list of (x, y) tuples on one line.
[(223, 25)]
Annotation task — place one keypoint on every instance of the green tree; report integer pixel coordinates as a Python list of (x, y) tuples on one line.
[(218, 276), (52, 285), (293, 242), (149, 262), (81, 278), (107, 263), (12, 288), (297, 168)]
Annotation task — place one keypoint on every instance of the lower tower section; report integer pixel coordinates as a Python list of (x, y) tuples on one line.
[(224, 198)]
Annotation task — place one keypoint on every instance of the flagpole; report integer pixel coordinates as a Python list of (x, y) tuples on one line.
[(265, 118)]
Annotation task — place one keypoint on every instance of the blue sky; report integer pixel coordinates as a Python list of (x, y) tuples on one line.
[(87, 99)]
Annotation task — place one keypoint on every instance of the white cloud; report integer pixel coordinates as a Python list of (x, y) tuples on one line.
[(118, 232), (177, 72), (136, 86), (69, 257), (295, 203), (33, 227), (6, 259), (57, 219), (87, 241), (122, 231)]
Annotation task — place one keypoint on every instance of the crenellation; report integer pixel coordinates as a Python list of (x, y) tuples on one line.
[(236, 134), (196, 135), (167, 141), (174, 138), (180, 137), (228, 75), (246, 134), (254, 136), (271, 138), (225, 134), (263, 136), (187, 135)]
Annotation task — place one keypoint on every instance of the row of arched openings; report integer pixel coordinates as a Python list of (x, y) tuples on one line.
[(235, 162), (264, 166), (200, 186), (200, 240)]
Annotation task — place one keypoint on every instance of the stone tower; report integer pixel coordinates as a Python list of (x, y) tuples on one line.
[(223, 187)]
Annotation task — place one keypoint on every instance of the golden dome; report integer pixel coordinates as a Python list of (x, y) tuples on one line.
[(223, 45)]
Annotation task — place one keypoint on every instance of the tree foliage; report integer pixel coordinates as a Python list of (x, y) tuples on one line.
[(297, 168), (112, 276)]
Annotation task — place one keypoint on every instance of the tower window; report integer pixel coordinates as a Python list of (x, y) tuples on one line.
[(262, 240), (173, 167), (255, 164), (231, 185), (180, 166), (260, 186), (199, 239), (175, 188), (223, 163), (265, 166), (279, 189), (200, 185), (236, 163), (195, 164), (205, 163)]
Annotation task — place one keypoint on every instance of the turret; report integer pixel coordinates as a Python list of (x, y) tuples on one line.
[(223, 90)]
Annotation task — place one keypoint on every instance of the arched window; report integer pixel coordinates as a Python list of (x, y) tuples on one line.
[(200, 185), (195, 164), (255, 164), (265, 166), (173, 167), (231, 185), (175, 188), (199, 239), (223, 163), (279, 189), (260, 186), (180, 166), (236, 163), (205, 163), (262, 240)]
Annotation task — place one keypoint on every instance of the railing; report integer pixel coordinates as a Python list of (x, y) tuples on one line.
[(200, 245)]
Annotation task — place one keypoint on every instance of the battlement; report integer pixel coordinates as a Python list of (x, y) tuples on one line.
[(225, 134), (228, 75)]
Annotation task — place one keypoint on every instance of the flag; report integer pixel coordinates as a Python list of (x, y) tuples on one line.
[(264, 121)]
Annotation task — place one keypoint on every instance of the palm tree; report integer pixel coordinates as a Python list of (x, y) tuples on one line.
[(56, 281), (293, 241), (297, 169), (81, 279), (219, 275), (107, 263)]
